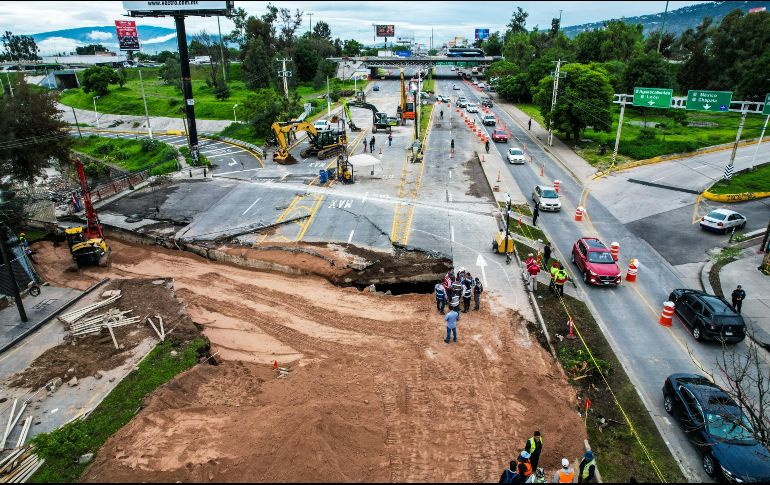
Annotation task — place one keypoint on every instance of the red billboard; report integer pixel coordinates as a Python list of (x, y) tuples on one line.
[(386, 31), (128, 37)]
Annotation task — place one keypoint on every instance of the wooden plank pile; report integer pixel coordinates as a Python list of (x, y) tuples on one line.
[(75, 315), (81, 325), (19, 465)]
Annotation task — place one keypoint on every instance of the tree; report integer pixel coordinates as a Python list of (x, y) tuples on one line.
[(739, 40), (647, 69), (517, 23), (351, 48), (502, 68), (584, 99), (322, 30), (262, 109), (171, 72), (514, 87), (667, 43), (308, 52), (97, 79), (31, 132), (90, 49), (324, 70), (695, 71), (122, 76), (238, 34), (616, 41), (221, 90), (518, 49), (257, 68), (18, 47), (493, 46)]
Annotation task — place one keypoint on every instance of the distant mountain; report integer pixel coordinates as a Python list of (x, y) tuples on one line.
[(152, 39), (677, 20)]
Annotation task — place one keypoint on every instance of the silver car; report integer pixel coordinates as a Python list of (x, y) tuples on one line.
[(546, 198), (516, 155), (471, 108), (722, 220)]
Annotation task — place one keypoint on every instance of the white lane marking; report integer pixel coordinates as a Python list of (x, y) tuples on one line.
[(232, 163), (652, 181), (224, 154), (449, 196), (363, 201), (699, 166), (252, 205), (236, 171), (450, 173), (452, 230), (350, 238)]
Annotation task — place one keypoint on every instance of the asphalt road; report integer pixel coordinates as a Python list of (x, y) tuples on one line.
[(628, 314)]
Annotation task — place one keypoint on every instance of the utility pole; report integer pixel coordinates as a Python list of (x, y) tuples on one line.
[(96, 113), (729, 168), (328, 99), (11, 276), (663, 28), (285, 74), (556, 76), (311, 22), (144, 100), (189, 102), (76, 122), (756, 150), (617, 136), (222, 51)]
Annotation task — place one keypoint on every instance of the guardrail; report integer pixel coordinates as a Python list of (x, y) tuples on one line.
[(243, 144), (117, 185)]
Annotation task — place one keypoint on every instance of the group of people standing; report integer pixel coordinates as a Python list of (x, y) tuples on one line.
[(559, 275), (453, 289), (524, 469)]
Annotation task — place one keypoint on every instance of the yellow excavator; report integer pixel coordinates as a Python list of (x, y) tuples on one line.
[(87, 244), (379, 118), (405, 109), (323, 143)]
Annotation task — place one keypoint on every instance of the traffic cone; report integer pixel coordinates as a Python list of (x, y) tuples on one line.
[(498, 175), (380, 150), (633, 267), (556, 185), (571, 335), (542, 170), (579, 214), (615, 250), (667, 316), (275, 365)]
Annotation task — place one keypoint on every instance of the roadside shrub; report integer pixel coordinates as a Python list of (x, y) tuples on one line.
[(149, 144), (119, 155), (647, 134), (169, 153), (173, 101), (104, 148)]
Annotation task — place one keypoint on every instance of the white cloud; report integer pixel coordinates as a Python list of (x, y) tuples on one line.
[(53, 45), (157, 40), (99, 35)]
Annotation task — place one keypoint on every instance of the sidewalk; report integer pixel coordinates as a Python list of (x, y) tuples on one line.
[(576, 165), (756, 307), (158, 123)]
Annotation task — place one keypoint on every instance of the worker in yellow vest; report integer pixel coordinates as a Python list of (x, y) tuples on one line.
[(534, 446), (587, 469), (566, 474)]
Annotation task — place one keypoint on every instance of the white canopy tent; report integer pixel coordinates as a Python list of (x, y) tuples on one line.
[(363, 162)]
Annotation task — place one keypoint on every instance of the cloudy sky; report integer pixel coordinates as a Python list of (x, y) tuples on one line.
[(347, 19)]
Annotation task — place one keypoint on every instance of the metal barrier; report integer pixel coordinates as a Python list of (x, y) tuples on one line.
[(118, 185)]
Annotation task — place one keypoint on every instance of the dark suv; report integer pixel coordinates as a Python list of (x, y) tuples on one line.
[(486, 102), (708, 317)]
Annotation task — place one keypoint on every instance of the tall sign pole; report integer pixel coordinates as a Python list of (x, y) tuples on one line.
[(222, 51), (730, 166), (189, 102), (11, 276), (663, 28), (144, 100)]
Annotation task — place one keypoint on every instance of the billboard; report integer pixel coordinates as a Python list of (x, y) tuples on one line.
[(156, 8), (128, 38), (386, 30), (482, 34)]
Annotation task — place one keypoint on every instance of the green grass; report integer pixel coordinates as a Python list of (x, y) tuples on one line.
[(429, 85), (306, 90), (757, 180), (243, 132), (526, 230), (533, 112), (62, 448), (128, 154), (425, 111), (618, 455), (523, 209)]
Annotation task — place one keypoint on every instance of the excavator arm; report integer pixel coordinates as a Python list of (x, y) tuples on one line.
[(281, 129), (351, 124)]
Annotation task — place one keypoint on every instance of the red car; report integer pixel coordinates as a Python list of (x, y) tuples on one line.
[(594, 259), (500, 136)]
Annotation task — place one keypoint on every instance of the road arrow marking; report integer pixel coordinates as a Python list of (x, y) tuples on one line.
[(706, 106), (650, 102), (481, 263)]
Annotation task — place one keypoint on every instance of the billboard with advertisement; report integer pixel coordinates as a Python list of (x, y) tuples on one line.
[(386, 30), (155, 8), (128, 37), (482, 34)]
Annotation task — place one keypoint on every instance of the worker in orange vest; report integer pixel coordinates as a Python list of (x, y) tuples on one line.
[(566, 474), (523, 459)]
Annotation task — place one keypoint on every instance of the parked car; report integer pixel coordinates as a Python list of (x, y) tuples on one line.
[(722, 220), (475, 82), (489, 120), (472, 108), (462, 102), (486, 102), (321, 125), (455, 87), (500, 136), (717, 427), (393, 121), (490, 89), (375, 88), (516, 155), (707, 316), (546, 198), (595, 261)]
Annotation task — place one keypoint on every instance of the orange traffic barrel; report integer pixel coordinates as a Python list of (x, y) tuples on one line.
[(579, 214), (556, 185), (633, 267), (667, 316), (615, 250)]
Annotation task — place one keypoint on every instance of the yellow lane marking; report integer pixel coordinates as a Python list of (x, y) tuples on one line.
[(418, 183), (309, 220)]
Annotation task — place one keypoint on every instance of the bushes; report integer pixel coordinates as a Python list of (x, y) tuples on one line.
[(104, 147), (149, 144)]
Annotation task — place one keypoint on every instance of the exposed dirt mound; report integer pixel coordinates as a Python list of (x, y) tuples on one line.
[(373, 392)]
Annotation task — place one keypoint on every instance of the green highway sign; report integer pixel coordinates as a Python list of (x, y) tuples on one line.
[(766, 109), (698, 100), (653, 97)]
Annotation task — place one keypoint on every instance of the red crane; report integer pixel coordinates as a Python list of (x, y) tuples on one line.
[(93, 228)]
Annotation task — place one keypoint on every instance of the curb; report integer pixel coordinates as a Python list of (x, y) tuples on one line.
[(704, 277), (741, 197)]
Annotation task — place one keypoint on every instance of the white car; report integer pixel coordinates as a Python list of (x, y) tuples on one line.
[(321, 125), (471, 108), (475, 82), (462, 102), (516, 155), (546, 198), (482, 85), (722, 220)]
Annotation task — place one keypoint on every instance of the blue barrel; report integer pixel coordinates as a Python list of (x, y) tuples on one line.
[(322, 177), (330, 173)]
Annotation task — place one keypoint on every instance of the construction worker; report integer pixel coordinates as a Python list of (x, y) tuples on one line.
[(390, 139), (486, 145), (452, 145), (523, 460), (554, 269), (535, 214), (561, 277), (587, 468), (447, 282), (371, 145), (467, 292), (534, 446), (566, 474), (24, 243), (451, 319), (441, 298), (454, 304), (509, 473), (738, 296), (532, 269), (477, 290), (546, 254)]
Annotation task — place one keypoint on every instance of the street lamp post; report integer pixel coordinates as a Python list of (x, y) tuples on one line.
[(96, 113), (507, 225), (235, 117)]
